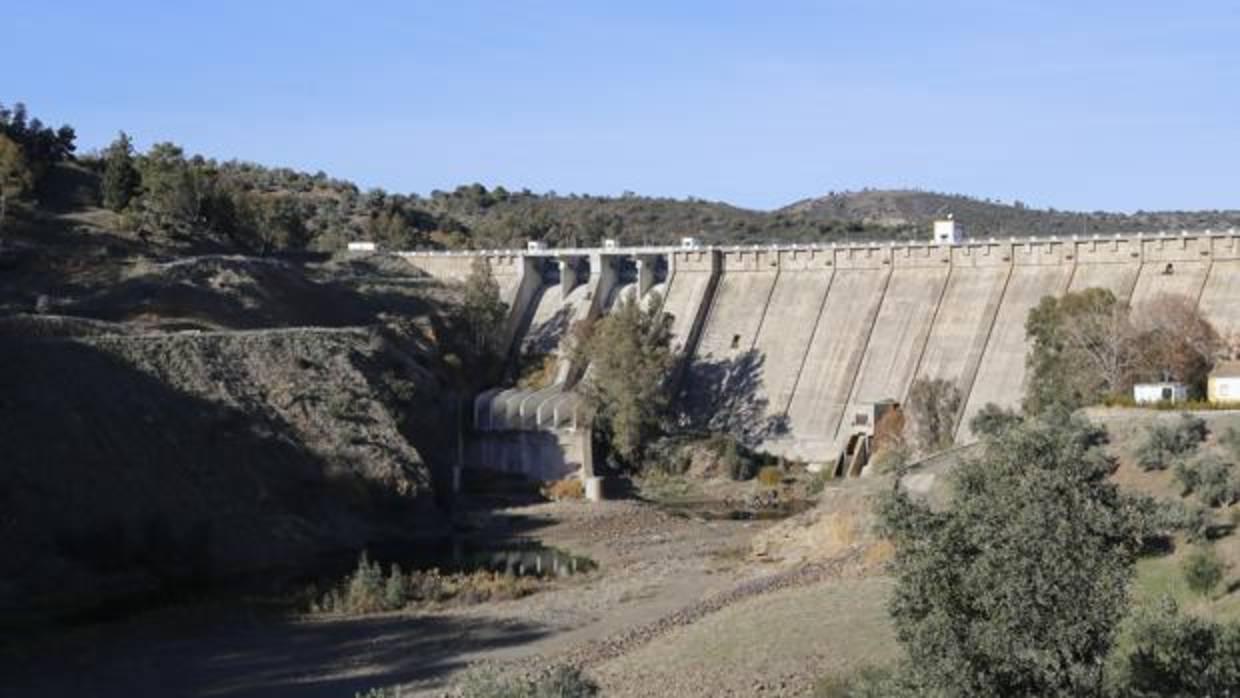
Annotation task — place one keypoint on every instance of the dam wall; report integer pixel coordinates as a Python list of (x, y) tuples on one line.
[(786, 346)]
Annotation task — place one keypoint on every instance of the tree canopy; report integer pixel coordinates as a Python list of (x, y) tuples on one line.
[(1088, 346), (121, 179), (630, 360), (1017, 589)]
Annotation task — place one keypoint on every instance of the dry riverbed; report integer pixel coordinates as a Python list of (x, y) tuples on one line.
[(677, 606)]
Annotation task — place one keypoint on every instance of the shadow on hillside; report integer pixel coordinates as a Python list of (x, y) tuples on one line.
[(120, 489), (327, 659), (723, 395)]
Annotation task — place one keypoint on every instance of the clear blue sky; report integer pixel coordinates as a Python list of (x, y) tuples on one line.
[(1077, 105)]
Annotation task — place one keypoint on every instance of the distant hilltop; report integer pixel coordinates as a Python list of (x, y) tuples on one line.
[(174, 200), (912, 209)]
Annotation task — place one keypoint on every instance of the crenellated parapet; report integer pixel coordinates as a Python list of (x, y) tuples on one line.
[(1122, 247)]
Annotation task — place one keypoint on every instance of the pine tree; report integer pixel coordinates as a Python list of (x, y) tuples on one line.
[(120, 176)]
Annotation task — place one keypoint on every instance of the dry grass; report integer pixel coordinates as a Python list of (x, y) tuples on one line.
[(795, 635), (568, 488)]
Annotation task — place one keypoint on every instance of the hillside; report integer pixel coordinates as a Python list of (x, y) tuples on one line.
[(915, 210), (136, 463)]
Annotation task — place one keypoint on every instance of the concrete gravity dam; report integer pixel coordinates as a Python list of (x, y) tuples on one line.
[(788, 346)]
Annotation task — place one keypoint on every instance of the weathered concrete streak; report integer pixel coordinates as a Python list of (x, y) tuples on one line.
[(784, 339), (899, 335), (1182, 279), (1001, 373), (963, 324), (549, 305), (1220, 299), (1119, 279), (687, 294), (737, 308), (831, 363)]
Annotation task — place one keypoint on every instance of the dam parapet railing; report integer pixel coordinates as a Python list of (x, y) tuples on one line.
[(638, 250)]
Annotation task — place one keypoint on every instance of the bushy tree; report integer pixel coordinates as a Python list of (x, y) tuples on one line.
[(173, 191), (1203, 570), (1175, 341), (560, 682), (1182, 655), (485, 313), (992, 420), (15, 176), (1166, 443), (41, 145), (1017, 588), (1083, 349), (1211, 478), (121, 179), (630, 360), (932, 409), (1230, 441)]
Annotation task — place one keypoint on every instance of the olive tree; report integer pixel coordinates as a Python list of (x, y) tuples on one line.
[(1017, 588)]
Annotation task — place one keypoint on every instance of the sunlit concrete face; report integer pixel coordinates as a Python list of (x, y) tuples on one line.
[(796, 338)]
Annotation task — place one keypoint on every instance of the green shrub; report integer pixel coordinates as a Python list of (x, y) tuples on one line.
[(818, 481), (771, 475), (396, 591), (869, 682), (1188, 477), (1190, 519), (368, 590), (732, 457), (1216, 481), (667, 456), (1203, 570), (890, 461), (1211, 477), (993, 420), (562, 682), (1181, 655), (1230, 440), (1166, 443), (365, 590)]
